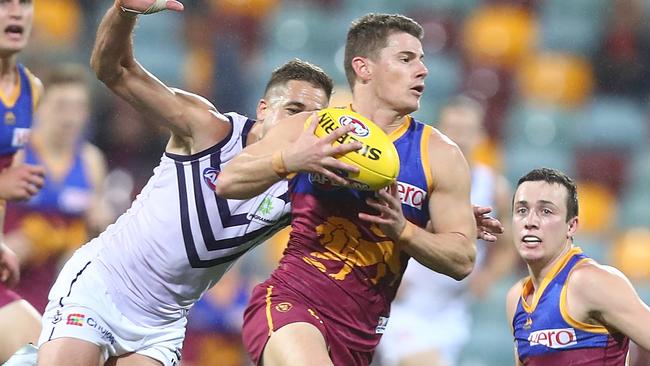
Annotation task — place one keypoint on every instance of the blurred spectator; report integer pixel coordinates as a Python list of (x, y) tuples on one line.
[(622, 63), (214, 323), (69, 208)]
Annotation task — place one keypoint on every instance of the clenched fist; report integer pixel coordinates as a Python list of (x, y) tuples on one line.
[(148, 6)]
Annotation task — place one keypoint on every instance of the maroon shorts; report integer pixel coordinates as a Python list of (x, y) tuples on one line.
[(7, 296), (271, 307)]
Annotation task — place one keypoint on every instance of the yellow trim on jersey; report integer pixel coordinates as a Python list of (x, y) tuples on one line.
[(10, 100), (269, 318), (401, 130), (528, 283), (36, 96), (591, 328), (424, 153)]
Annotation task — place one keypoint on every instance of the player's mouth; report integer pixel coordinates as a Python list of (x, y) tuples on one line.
[(531, 241), (14, 31), (418, 89)]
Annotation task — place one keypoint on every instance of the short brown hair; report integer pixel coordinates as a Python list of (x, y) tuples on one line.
[(297, 69), (369, 34), (554, 176)]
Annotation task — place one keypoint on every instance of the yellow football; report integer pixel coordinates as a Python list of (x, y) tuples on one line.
[(378, 161)]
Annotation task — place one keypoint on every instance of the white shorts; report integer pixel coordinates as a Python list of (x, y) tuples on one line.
[(80, 307), (409, 333)]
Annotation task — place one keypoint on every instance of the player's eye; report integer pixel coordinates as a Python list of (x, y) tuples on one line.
[(293, 111)]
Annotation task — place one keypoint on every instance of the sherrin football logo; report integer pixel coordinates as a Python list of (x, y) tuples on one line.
[(360, 129)]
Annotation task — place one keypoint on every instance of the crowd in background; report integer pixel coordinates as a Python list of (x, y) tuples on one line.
[(564, 84)]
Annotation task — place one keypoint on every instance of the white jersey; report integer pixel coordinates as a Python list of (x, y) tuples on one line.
[(178, 238), (429, 292)]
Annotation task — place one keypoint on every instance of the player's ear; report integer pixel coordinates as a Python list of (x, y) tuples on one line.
[(362, 68), (572, 227), (262, 108)]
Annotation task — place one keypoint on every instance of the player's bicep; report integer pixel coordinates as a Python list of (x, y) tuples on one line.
[(176, 109), (450, 206)]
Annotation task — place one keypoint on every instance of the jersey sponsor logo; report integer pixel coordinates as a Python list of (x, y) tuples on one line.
[(21, 137), (75, 319), (283, 307), (411, 195), (553, 338), (106, 334), (210, 175), (381, 325), (268, 211), (360, 129)]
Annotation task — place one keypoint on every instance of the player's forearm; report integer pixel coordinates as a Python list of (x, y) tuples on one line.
[(113, 48), (452, 254), (246, 176)]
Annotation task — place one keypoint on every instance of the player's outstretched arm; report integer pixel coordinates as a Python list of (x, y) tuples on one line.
[(603, 294), (114, 63), (287, 148)]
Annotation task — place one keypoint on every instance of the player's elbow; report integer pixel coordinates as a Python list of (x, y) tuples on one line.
[(465, 265)]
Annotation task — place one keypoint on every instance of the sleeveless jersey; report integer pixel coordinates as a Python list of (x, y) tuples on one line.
[(16, 111), (178, 237), (428, 292), (347, 270), (545, 334), (54, 219)]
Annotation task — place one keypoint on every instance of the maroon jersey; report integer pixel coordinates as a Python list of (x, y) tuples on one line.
[(346, 270)]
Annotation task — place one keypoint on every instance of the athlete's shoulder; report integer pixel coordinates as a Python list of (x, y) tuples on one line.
[(36, 84), (512, 298), (592, 279)]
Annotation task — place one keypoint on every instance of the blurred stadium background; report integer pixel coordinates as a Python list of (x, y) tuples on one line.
[(565, 84)]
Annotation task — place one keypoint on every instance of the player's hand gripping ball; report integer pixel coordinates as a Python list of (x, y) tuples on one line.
[(377, 160), (136, 7)]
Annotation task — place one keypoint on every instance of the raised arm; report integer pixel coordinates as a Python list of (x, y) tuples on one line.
[(287, 148), (604, 295), (192, 119)]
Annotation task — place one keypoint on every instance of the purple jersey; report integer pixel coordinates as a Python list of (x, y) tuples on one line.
[(545, 334)]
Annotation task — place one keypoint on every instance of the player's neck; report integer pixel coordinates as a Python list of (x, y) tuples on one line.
[(540, 270), (386, 118), (8, 74)]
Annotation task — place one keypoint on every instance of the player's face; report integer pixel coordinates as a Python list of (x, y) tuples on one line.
[(539, 224), (65, 110), (463, 126), (398, 73), (286, 100), (16, 25)]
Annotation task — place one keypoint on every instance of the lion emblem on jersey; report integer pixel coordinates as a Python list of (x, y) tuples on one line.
[(343, 243)]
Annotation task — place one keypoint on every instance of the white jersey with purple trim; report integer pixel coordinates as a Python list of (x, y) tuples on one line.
[(178, 238)]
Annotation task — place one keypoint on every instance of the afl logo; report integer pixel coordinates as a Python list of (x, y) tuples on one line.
[(210, 175), (360, 129), (283, 307)]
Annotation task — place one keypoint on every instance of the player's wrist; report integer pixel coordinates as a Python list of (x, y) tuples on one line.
[(278, 164), (124, 12), (407, 233)]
